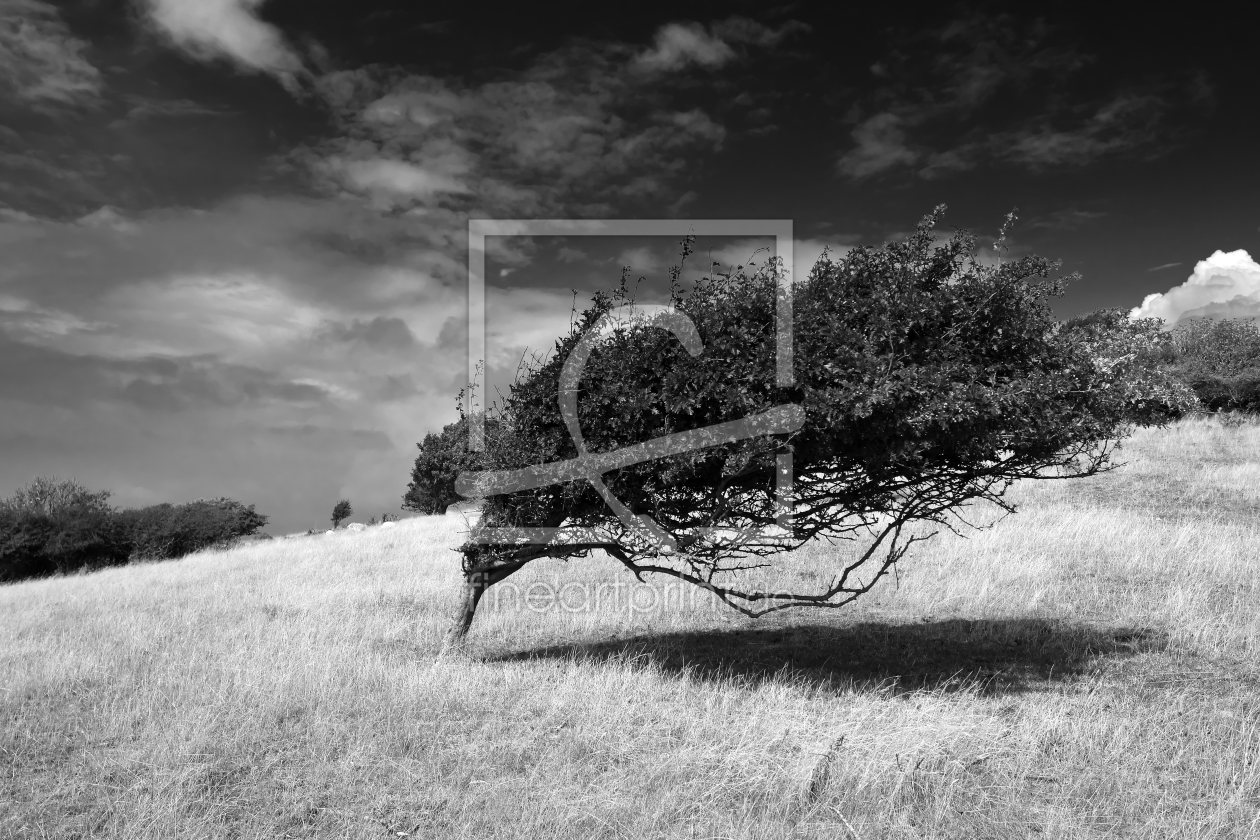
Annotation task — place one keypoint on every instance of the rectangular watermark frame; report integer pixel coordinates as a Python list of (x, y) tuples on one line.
[(479, 229)]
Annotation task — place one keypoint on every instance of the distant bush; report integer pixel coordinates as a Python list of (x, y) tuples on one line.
[(53, 526), (1246, 389), (1227, 348), (1220, 361), (443, 456), (166, 531)]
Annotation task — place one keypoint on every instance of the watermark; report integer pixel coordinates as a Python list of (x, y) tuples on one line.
[(614, 595), (591, 467)]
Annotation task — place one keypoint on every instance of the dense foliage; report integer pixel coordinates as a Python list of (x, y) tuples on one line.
[(1220, 361), (51, 526), (927, 379), (167, 531), (443, 456), (341, 512), (55, 526)]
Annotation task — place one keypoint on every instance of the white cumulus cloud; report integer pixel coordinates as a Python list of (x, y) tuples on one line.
[(231, 29), (1225, 285)]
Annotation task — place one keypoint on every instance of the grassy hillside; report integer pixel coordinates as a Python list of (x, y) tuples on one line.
[(1088, 668)]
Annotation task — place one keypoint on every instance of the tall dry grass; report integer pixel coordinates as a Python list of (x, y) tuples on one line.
[(1085, 668)]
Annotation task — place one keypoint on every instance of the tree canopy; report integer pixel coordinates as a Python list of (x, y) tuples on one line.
[(442, 457), (924, 380)]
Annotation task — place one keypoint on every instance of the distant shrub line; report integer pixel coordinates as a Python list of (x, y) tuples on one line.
[(55, 527), (1220, 361)]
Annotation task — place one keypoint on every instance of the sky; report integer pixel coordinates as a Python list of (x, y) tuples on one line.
[(233, 233)]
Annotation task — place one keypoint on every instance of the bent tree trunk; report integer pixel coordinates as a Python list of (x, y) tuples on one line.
[(475, 585)]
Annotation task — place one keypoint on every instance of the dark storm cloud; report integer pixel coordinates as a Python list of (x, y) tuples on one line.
[(999, 90)]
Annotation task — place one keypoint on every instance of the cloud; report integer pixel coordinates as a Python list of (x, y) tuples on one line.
[(10, 215), (108, 217), (1225, 285), (381, 332), (291, 351), (393, 181), (153, 108), (881, 144), (49, 376), (42, 176), (737, 29), (176, 345), (643, 259), (1125, 123), (41, 63), (1162, 267), (680, 45), (935, 107), (522, 321), (323, 437), (572, 134), (38, 324), (1065, 219), (231, 29)]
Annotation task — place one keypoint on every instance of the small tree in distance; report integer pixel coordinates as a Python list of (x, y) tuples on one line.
[(341, 512), (924, 381)]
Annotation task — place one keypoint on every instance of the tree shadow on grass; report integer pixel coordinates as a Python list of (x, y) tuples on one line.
[(1001, 656)]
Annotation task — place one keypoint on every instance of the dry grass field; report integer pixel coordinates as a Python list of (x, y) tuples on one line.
[(1087, 668)]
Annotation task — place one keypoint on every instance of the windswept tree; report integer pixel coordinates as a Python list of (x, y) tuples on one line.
[(341, 512), (924, 381)]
